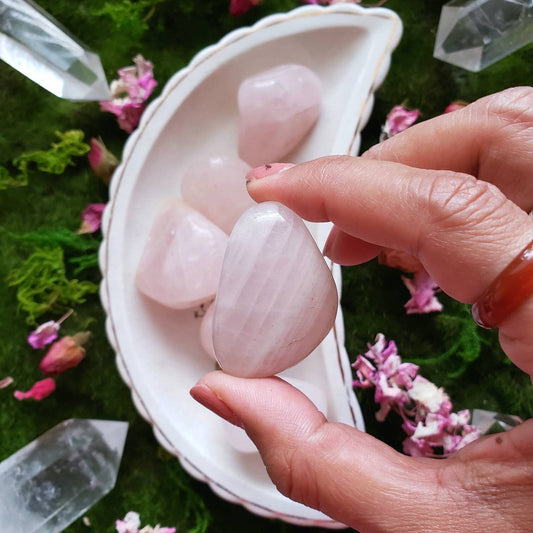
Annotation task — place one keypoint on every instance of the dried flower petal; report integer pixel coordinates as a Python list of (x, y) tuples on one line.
[(239, 7), (47, 332), (39, 391), (130, 92), (399, 119), (422, 289), (454, 106), (91, 218), (64, 354), (130, 524), (102, 161), (6, 382), (426, 410)]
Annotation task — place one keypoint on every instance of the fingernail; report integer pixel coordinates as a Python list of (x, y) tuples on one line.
[(267, 170), (208, 398)]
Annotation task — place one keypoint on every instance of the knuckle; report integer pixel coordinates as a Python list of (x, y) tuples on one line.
[(512, 106), (462, 201)]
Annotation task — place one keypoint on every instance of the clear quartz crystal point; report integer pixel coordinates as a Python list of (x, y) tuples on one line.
[(474, 34), (57, 477), (491, 422), (35, 44)]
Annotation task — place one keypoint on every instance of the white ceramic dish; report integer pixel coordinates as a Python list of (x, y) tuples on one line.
[(158, 351)]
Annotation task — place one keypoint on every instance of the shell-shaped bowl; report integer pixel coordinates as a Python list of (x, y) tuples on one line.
[(157, 349)]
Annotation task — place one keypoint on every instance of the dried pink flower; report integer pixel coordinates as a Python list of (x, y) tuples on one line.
[(66, 353), (132, 522), (426, 410), (399, 119), (5, 382), (39, 391), (422, 289), (47, 332), (102, 161), (239, 7), (130, 92), (454, 106), (91, 218)]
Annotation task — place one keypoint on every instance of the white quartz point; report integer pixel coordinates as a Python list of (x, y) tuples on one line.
[(216, 186), (181, 263), (277, 108), (276, 300)]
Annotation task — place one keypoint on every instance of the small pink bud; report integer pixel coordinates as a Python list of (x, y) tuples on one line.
[(239, 7), (454, 106), (6, 382), (47, 332), (64, 354), (39, 391), (399, 119), (102, 161), (91, 218)]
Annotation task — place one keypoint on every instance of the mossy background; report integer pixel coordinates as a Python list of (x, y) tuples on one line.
[(169, 33)]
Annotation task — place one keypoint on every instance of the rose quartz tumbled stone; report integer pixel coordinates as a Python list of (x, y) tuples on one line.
[(181, 263), (277, 108), (277, 298), (216, 186)]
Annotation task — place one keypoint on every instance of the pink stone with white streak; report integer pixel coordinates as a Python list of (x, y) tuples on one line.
[(276, 300), (181, 263), (277, 108), (216, 186)]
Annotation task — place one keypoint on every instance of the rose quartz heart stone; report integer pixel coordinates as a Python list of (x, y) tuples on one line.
[(276, 299), (216, 187), (181, 263), (277, 108)]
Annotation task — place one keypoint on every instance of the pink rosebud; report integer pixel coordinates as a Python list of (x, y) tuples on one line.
[(39, 391), (239, 7), (398, 120), (46, 333), (454, 106), (422, 289), (130, 92), (6, 382), (91, 218), (102, 161), (64, 354)]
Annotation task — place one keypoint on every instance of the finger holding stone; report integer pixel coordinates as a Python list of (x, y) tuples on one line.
[(463, 230)]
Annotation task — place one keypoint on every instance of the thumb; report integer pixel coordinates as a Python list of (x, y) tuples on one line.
[(332, 467)]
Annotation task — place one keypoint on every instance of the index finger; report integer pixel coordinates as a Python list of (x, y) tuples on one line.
[(491, 139), (463, 230)]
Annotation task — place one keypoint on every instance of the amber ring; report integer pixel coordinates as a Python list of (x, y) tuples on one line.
[(507, 292)]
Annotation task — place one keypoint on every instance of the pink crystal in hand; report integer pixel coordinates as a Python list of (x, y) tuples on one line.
[(276, 300), (181, 263), (216, 186), (277, 108)]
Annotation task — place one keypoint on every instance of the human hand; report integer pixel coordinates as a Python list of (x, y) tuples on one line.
[(454, 192)]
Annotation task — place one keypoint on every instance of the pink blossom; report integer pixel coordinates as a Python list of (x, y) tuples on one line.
[(102, 161), (130, 92), (64, 354), (422, 289), (425, 409), (47, 332), (5, 382), (454, 106), (39, 391), (132, 523), (239, 7), (91, 218), (399, 119)]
